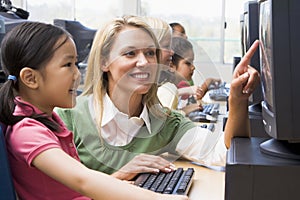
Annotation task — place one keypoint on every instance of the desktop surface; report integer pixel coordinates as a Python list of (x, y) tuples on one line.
[(208, 184)]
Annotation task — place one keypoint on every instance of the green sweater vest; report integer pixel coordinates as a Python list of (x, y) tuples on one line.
[(99, 155)]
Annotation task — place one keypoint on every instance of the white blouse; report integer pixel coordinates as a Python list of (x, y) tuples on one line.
[(198, 144)]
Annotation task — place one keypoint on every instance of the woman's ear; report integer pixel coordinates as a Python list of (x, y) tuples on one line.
[(104, 66), (29, 77)]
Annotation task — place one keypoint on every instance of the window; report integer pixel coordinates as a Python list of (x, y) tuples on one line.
[(204, 24), (91, 13)]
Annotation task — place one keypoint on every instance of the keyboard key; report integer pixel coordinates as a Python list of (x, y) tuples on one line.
[(186, 181), (164, 183), (174, 180)]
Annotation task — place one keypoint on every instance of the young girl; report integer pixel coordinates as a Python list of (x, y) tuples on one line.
[(183, 63), (39, 60)]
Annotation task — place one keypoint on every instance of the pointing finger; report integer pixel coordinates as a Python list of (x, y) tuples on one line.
[(247, 57)]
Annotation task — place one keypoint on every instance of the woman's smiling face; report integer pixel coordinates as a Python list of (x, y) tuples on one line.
[(132, 63)]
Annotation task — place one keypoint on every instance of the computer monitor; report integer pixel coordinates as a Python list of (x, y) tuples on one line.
[(279, 33), (7, 22), (250, 33), (242, 33), (82, 35)]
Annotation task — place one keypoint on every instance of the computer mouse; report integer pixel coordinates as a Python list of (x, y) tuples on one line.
[(201, 117)]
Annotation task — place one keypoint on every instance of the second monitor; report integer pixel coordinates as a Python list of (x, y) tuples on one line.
[(82, 35)]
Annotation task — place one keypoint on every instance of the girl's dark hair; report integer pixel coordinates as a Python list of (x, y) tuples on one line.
[(180, 46), (30, 44)]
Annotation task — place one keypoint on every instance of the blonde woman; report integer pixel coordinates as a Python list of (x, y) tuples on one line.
[(121, 128)]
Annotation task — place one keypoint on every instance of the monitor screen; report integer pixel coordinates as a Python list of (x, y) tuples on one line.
[(266, 54), (242, 33), (7, 22), (245, 33), (250, 34), (279, 32), (82, 35)]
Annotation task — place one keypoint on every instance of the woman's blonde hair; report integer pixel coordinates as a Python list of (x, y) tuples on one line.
[(96, 81)]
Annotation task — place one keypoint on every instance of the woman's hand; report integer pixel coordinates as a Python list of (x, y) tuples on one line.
[(143, 163)]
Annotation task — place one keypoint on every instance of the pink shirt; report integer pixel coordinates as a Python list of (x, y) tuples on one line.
[(27, 139)]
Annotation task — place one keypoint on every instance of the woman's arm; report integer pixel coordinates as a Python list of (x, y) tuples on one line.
[(96, 185)]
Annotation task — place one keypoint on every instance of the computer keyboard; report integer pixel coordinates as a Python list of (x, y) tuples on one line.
[(211, 108), (175, 182), (220, 94)]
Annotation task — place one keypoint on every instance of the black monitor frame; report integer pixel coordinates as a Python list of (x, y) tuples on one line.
[(82, 35), (7, 22), (250, 31), (280, 51)]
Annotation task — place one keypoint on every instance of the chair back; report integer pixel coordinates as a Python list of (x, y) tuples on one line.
[(7, 190)]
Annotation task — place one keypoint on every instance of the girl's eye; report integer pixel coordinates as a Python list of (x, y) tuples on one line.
[(188, 63), (151, 53), (68, 64)]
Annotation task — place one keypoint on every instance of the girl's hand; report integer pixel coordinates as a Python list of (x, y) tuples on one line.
[(245, 77)]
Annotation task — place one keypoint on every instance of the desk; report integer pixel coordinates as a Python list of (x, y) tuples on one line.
[(208, 184)]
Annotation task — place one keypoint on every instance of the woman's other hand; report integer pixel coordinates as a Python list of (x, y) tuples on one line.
[(143, 163)]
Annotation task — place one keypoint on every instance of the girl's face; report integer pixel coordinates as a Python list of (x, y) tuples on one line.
[(167, 53), (132, 64), (185, 66), (60, 78)]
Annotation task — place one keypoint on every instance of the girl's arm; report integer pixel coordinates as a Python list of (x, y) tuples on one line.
[(96, 185), (245, 79)]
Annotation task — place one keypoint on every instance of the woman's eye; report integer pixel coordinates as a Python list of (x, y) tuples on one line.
[(130, 53)]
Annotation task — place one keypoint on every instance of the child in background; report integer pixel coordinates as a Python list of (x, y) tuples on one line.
[(39, 60), (168, 92), (183, 63), (178, 30)]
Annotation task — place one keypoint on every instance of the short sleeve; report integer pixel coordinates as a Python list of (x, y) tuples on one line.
[(29, 138)]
